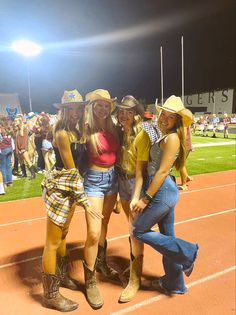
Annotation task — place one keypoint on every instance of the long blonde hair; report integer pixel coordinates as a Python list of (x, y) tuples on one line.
[(92, 128), (63, 123)]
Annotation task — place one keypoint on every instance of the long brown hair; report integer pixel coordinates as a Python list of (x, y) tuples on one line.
[(179, 129)]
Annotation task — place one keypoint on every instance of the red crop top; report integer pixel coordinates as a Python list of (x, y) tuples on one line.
[(107, 152)]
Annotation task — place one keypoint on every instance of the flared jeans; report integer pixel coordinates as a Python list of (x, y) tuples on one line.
[(178, 255)]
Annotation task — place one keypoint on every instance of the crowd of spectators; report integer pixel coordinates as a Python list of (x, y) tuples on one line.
[(25, 146), (213, 123)]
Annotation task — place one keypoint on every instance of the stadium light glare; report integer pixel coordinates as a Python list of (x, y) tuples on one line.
[(26, 48)]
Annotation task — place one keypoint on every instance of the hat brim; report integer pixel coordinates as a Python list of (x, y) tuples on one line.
[(186, 114), (64, 105), (100, 98), (136, 108)]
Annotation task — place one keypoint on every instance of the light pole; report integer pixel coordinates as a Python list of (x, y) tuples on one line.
[(28, 49)]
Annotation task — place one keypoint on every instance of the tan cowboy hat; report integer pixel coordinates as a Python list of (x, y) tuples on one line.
[(72, 97), (174, 104), (101, 94), (130, 102)]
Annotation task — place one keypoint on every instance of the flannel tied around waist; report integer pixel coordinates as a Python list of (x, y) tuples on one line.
[(61, 189)]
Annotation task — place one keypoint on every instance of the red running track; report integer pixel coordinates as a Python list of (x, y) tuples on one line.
[(204, 214)]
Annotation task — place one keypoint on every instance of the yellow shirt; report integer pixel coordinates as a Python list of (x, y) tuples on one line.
[(137, 150)]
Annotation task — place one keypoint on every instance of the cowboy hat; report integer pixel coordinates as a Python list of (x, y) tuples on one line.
[(72, 97), (129, 102), (174, 104), (101, 94)]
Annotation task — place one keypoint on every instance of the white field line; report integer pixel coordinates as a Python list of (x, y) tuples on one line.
[(200, 145), (81, 211), (202, 189), (122, 236), (161, 296)]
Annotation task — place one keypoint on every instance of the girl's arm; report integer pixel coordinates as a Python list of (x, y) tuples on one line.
[(141, 167), (169, 146), (63, 144)]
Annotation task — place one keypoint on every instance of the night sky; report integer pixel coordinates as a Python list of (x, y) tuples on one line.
[(116, 45)]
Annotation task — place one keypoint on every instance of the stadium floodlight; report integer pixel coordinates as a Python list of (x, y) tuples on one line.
[(28, 49)]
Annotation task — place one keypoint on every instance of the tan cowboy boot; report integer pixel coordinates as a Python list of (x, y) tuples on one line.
[(136, 265)]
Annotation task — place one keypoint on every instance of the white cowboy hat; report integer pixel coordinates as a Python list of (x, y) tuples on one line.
[(174, 104), (71, 98)]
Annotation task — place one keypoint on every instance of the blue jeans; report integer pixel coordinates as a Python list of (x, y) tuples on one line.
[(178, 255), (6, 165), (99, 184)]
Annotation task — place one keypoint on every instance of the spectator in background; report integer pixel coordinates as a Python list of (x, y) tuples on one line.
[(6, 151), (226, 122), (215, 121), (22, 145), (47, 149), (2, 190), (12, 111), (38, 131)]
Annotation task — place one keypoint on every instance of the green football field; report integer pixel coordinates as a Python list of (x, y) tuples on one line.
[(201, 160)]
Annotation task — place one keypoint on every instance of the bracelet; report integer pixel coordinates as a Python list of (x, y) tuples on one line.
[(145, 200), (149, 197)]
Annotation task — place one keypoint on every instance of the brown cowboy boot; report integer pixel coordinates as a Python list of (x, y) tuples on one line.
[(62, 271), (52, 298), (32, 172), (136, 265), (92, 293), (102, 265)]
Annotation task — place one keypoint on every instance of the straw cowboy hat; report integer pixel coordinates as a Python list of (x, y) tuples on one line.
[(71, 98), (174, 104), (101, 94), (130, 102)]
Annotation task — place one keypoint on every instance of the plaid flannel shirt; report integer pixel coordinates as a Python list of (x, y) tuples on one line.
[(62, 189)]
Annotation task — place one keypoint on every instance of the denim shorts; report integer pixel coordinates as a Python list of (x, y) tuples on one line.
[(126, 188), (100, 184)]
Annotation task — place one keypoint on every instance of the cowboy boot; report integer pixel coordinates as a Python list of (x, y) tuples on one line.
[(52, 298), (62, 271), (23, 170), (126, 272), (32, 171), (132, 288), (102, 265), (92, 293)]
